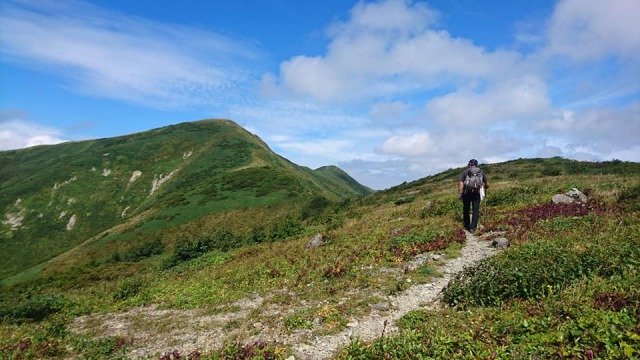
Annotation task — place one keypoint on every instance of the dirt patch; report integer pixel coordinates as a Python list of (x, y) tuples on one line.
[(157, 331)]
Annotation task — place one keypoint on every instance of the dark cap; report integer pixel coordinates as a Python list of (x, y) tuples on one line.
[(473, 162)]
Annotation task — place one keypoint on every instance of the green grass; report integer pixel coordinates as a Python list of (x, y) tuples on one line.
[(566, 288)]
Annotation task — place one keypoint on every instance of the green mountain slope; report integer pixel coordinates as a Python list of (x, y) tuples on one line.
[(54, 198), (340, 179)]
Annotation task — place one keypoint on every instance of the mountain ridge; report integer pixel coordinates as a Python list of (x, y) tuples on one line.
[(69, 192)]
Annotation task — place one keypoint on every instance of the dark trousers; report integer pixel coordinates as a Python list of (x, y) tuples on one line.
[(470, 201)]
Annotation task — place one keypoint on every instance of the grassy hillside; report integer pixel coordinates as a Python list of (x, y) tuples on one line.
[(566, 288), (134, 188)]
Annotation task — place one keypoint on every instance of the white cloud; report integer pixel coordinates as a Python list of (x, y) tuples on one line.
[(509, 99), (417, 144), (396, 16), (388, 111), (592, 134), (386, 48), (592, 29), (549, 152), (108, 54), (422, 154), (17, 133), (602, 131), (556, 121), (629, 154), (334, 149)]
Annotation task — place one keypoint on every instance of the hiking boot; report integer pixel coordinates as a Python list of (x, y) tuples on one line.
[(472, 231)]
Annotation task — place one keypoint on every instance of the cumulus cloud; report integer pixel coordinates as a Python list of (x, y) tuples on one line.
[(386, 48), (17, 132), (418, 144), (398, 16), (108, 54), (425, 153), (388, 111), (509, 99), (603, 131), (592, 29)]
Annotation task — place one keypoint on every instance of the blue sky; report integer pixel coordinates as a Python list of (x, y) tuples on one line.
[(389, 91)]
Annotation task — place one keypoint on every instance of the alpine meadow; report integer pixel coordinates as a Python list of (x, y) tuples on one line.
[(196, 241)]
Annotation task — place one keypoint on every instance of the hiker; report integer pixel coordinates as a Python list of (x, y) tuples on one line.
[(472, 183)]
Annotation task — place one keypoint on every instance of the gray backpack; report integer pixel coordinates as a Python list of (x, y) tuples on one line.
[(473, 180)]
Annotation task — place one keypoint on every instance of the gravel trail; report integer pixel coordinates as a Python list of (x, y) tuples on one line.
[(416, 297), (160, 331)]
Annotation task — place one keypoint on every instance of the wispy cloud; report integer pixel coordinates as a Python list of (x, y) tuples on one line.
[(113, 55)]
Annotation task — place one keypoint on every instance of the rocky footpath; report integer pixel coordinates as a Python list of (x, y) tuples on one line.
[(153, 331)]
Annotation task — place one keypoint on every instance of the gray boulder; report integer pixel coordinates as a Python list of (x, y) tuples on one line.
[(500, 243), (571, 196), (317, 240)]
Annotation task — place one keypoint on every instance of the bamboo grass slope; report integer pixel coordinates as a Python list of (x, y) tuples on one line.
[(106, 191), (231, 242)]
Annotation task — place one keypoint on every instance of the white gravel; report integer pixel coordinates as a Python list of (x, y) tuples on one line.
[(416, 297)]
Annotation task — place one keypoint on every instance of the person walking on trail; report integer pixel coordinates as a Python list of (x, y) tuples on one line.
[(471, 186)]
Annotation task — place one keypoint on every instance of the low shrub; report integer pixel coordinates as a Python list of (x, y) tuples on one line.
[(102, 348), (128, 288), (585, 321), (315, 207), (36, 308), (29, 348), (629, 198), (289, 227), (408, 245), (551, 171), (442, 207), (257, 350), (413, 319), (526, 219), (535, 269), (143, 251), (298, 321), (404, 200), (187, 249)]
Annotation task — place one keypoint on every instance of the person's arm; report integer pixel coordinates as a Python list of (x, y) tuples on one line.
[(460, 188)]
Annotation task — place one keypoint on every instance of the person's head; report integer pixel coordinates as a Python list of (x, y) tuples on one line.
[(473, 162)]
